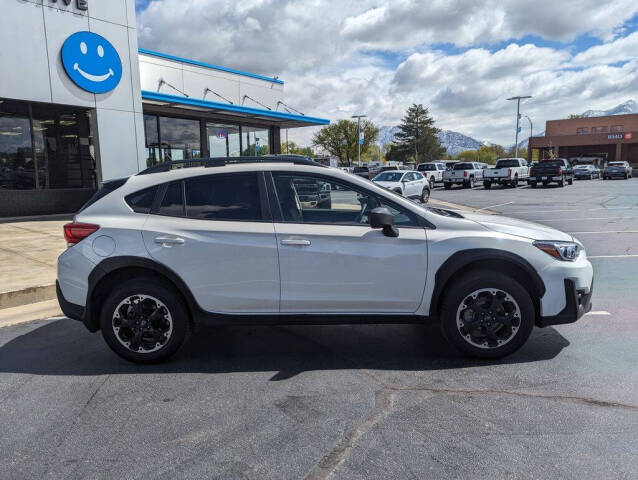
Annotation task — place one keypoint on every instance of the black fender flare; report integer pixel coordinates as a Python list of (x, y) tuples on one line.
[(480, 257), (113, 264)]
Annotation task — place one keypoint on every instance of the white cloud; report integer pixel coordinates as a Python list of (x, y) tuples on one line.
[(338, 58)]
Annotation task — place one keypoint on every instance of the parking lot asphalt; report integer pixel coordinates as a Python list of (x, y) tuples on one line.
[(348, 402)]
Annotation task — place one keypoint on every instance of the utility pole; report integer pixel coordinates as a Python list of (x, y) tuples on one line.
[(359, 117), (518, 118)]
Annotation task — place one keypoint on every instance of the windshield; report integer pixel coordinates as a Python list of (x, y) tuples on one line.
[(552, 163), (360, 169), (583, 167), (388, 177), (427, 167), (506, 163), (463, 166), (616, 164)]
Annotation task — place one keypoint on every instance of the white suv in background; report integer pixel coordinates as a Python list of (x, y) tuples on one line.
[(410, 184), (231, 243)]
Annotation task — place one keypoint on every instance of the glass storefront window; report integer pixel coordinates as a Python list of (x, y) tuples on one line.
[(152, 140), (179, 138), (63, 156), (255, 141), (223, 140)]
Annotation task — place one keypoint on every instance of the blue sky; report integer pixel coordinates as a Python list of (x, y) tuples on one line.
[(461, 58)]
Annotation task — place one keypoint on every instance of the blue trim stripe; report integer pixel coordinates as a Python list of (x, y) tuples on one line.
[(209, 65), (163, 97)]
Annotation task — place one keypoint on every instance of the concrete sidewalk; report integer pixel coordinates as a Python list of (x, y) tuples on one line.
[(28, 254)]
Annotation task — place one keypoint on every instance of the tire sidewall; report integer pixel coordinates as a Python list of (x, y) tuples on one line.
[(475, 281), (162, 292)]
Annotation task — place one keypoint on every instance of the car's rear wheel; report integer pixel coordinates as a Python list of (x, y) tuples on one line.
[(144, 321), (570, 181), (432, 181), (515, 182), (487, 314)]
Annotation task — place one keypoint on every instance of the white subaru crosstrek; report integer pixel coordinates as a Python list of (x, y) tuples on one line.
[(222, 242)]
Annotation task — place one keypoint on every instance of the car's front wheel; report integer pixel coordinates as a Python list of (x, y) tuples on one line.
[(487, 314), (425, 195), (144, 321)]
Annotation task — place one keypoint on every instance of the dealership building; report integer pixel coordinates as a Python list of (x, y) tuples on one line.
[(607, 138), (80, 104)]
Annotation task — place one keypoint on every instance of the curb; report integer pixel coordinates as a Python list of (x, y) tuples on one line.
[(27, 295), (29, 313)]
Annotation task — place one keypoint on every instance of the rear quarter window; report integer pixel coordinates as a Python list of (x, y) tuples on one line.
[(142, 201)]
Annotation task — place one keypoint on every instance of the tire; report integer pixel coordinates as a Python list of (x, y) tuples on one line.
[(561, 183), (487, 185), (570, 181), (447, 186), (432, 182), (475, 342), (173, 327), (515, 182), (425, 195), (545, 184), (532, 184), (625, 177)]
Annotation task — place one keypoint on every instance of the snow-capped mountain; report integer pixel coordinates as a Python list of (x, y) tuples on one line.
[(629, 106), (454, 142)]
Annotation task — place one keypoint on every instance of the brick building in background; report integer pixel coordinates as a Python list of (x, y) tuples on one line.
[(610, 138)]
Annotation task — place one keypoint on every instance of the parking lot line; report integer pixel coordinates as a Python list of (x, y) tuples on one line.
[(598, 312), (532, 210), (629, 255), (580, 219), (492, 206), (604, 231)]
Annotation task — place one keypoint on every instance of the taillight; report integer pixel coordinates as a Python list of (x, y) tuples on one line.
[(531, 171), (465, 173), (509, 172), (76, 232), (560, 170)]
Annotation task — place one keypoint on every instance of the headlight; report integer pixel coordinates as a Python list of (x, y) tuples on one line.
[(566, 251)]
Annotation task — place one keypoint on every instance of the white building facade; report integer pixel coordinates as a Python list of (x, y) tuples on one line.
[(81, 104)]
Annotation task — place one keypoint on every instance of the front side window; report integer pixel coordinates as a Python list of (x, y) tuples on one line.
[(309, 199), (224, 197)]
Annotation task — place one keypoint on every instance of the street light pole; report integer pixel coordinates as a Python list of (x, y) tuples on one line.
[(359, 117), (518, 118)]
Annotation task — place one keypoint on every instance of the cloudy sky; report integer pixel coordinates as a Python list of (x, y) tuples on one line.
[(461, 58)]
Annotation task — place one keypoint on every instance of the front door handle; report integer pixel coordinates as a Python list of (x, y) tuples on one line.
[(169, 241), (300, 242)]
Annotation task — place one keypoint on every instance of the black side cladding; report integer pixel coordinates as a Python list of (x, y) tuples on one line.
[(107, 187)]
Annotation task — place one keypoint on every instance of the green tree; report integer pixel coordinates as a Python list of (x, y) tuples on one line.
[(416, 139), (575, 115), (295, 149), (340, 139)]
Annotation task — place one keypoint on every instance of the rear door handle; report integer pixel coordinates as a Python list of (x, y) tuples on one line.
[(300, 242), (169, 241)]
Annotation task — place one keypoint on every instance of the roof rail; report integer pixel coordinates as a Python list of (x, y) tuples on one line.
[(222, 161)]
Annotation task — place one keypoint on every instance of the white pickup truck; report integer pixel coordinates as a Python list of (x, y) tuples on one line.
[(433, 171), (506, 172), (464, 173)]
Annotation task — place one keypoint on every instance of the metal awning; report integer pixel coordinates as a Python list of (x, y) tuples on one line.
[(271, 117)]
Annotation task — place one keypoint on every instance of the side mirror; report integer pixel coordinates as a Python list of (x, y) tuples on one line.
[(381, 217)]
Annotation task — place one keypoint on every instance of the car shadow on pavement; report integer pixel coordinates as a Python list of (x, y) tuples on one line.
[(65, 347)]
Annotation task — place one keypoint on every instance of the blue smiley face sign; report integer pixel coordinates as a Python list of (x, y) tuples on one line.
[(91, 62)]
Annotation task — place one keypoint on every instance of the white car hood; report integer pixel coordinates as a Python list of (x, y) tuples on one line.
[(521, 228), (389, 185)]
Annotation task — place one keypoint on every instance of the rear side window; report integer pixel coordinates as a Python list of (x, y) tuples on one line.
[(464, 166), (224, 197), (142, 201), (173, 201)]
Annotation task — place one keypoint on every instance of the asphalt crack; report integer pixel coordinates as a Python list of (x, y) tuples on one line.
[(383, 404)]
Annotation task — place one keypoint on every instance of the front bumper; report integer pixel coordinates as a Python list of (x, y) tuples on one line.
[(577, 304)]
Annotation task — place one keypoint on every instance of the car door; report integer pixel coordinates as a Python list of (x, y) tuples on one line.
[(216, 233), (415, 185), (331, 261)]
